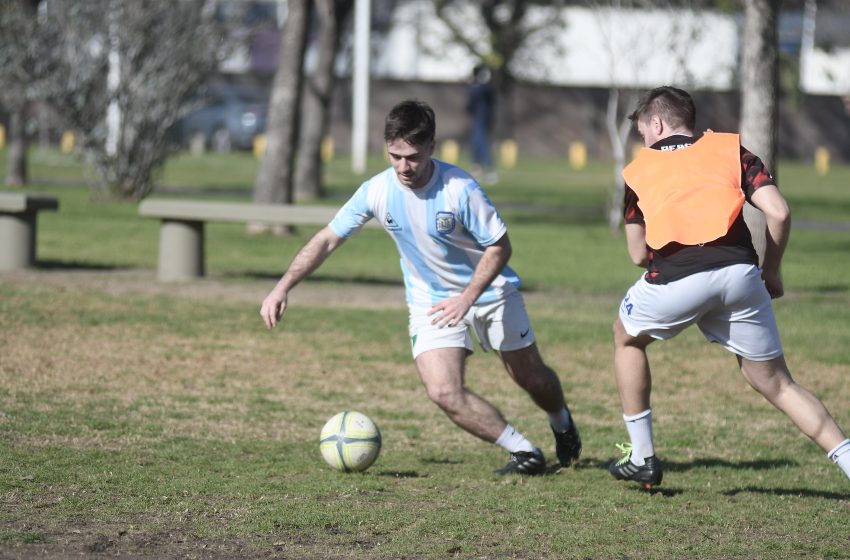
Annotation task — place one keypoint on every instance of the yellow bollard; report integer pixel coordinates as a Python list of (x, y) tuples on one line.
[(450, 152), (508, 154), (66, 144), (578, 155), (2, 136), (821, 160), (260, 142), (327, 149)]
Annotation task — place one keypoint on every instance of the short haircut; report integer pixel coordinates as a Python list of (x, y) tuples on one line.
[(675, 106), (412, 121)]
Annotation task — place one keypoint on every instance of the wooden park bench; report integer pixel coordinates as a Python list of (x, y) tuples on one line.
[(18, 218), (181, 232)]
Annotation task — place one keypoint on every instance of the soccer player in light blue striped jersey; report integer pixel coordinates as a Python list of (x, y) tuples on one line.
[(454, 250)]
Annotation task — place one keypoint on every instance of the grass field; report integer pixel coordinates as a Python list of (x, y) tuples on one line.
[(142, 420)]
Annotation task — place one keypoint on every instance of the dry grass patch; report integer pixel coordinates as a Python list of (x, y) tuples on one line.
[(174, 420)]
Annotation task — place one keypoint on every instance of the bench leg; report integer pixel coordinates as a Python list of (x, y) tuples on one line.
[(17, 240), (181, 250)]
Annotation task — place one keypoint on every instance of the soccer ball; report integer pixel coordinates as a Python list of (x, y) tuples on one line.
[(350, 441)]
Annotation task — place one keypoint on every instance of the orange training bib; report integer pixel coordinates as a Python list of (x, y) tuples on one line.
[(690, 195)]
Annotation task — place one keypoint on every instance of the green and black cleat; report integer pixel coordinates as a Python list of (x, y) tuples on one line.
[(647, 475)]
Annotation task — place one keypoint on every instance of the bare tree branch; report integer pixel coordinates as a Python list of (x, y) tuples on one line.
[(165, 50)]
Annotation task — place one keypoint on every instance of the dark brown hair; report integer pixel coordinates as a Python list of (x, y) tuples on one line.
[(412, 121), (675, 106)]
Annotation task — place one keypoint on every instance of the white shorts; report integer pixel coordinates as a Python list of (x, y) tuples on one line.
[(502, 325), (730, 305)]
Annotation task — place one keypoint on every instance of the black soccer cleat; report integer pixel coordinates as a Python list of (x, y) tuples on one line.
[(567, 445), (529, 463), (647, 475)]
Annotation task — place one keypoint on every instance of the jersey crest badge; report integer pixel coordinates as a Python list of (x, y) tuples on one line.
[(445, 223), (390, 223)]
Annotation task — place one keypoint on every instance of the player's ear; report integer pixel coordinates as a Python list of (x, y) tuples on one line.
[(657, 124)]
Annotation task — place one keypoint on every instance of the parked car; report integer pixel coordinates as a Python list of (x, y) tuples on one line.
[(227, 117)]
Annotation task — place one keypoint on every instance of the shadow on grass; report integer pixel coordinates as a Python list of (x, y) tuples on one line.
[(76, 265), (762, 465), (825, 289), (440, 461), (665, 492), (323, 279), (795, 492), (400, 474), (416, 474), (668, 492), (676, 466)]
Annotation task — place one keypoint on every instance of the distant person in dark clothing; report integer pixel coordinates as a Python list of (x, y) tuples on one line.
[(480, 104)]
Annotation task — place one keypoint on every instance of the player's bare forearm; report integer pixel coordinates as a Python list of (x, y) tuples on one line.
[(777, 216), (636, 244), (494, 259), (308, 259)]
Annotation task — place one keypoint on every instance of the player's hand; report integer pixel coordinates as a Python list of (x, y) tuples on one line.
[(450, 312), (272, 309), (773, 283)]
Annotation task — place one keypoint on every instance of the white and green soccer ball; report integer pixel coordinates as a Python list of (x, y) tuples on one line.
[(350, 441)]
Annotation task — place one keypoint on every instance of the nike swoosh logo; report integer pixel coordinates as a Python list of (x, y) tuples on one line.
[(522, 334)]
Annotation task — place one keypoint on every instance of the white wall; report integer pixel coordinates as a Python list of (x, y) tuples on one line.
[(595, 47), (826, 73)]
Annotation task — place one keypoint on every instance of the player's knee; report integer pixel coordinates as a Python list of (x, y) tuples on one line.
[(770, 387), (447, 397), (770, 378)]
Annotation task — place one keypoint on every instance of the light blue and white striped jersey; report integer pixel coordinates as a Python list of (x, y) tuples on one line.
[(441, 231)]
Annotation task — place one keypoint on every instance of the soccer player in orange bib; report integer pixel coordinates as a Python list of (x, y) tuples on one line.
[(684, 223)]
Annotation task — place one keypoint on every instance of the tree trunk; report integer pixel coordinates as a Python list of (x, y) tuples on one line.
[(274, 179), (17, 25), (618, 128), (317, 100), (16, 157), (759, 97), (614, 210)]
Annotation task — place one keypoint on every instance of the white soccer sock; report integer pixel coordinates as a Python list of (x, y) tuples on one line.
[(513, 441), (560, 421), (840, 455), (639, 427)]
